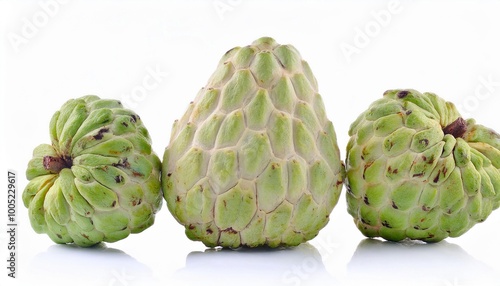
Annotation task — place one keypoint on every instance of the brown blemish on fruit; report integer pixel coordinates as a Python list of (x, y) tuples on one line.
[(436, 179), (391, 144), (137, 174), (365, 199), (366, 167), (136, 202), (394, 205), (424, 142), (391, 171), (100, 133), (210, 231), (119, 179), (230, 230), (122, 163), (418, 175), (402, 94)]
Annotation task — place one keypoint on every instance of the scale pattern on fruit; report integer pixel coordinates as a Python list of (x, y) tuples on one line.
[(417, 170), (99, 180), (254, 160)]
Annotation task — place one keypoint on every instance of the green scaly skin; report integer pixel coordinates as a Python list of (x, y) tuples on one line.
[(99, 180), (417, 170), (254, 160)]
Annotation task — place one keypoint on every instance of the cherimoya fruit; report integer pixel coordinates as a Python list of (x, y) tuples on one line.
[(254, 160), (416, 169)]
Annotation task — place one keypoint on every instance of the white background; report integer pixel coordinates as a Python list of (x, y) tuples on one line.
[(53, 51)]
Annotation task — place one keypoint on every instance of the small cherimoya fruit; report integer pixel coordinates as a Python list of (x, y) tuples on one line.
[(417, 170), (254, 161), (99, 180)]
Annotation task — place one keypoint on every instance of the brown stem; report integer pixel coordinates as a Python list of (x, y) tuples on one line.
[(457, 128), (56, 164)]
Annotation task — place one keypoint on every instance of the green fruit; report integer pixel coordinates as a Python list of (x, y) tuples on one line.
[(417, 170), (99, 180), (254, 161)]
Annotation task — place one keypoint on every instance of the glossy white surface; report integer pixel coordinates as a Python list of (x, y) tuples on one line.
[(155, 55)]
